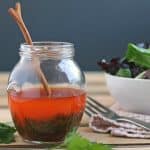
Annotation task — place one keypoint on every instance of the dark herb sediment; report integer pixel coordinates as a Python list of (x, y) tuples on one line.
[(54, 129)]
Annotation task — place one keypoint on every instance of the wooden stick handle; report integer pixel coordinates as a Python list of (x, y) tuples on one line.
[(21, 25), (16, 15)]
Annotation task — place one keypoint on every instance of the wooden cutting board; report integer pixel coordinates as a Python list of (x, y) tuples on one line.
[(83, 130), (89, 134), (108, 139)]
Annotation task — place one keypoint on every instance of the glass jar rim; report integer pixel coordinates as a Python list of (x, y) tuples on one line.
[(48, 44), (49, 49)]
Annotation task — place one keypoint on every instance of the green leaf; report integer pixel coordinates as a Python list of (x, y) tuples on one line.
[(75, 142), (140, 76), (139, 56), (6, 133), (124, 72)]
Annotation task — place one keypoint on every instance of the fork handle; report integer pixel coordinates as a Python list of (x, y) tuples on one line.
[(136, 122)]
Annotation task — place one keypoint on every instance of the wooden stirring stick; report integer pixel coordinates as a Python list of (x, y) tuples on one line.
[(17, 16)]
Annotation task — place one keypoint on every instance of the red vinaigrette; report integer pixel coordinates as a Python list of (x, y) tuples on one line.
[(41, 118)]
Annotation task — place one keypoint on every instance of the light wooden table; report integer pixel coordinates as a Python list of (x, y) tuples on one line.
[(96, 87)]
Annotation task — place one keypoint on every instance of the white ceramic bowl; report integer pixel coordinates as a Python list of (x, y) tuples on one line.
[(132, 94)]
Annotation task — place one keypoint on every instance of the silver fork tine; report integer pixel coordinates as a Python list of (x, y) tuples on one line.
[(88, 113), (91, 109), (100, 105), (95, 107), (101, 109)]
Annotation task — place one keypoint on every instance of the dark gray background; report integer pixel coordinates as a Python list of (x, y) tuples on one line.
[(98, 28)]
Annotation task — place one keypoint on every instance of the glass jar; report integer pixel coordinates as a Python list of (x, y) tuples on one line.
[(39, 117)]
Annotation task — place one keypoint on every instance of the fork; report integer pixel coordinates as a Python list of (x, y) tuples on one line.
[(94, 107)]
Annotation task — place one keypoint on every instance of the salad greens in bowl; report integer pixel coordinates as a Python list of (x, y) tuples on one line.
[(135, 63), (128, 78)]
